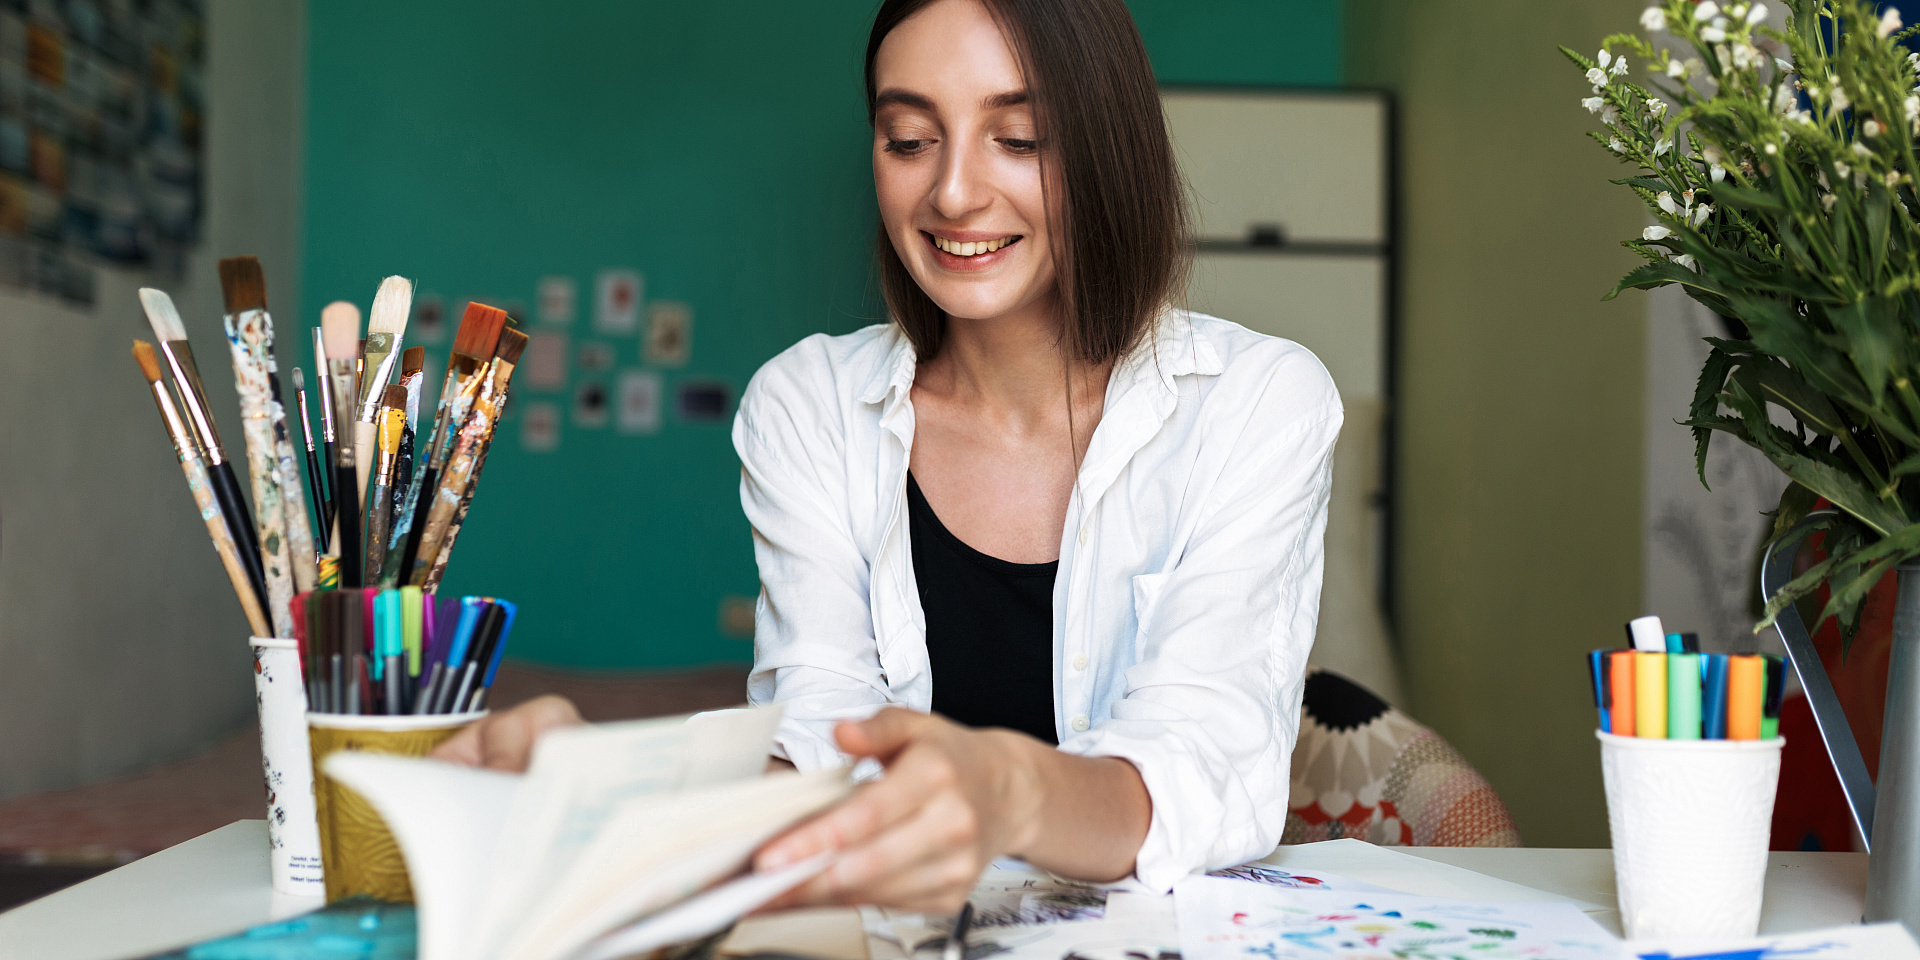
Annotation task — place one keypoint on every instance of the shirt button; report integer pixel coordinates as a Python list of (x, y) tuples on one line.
[(1080, 662), (1080, 724), (1086, 530)]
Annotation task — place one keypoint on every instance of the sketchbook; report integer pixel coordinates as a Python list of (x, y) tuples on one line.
[(618, 839)]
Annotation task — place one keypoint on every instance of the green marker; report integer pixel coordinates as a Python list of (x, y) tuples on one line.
[(1683, 696)]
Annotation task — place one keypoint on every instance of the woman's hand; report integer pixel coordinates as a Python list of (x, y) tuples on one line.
[(504, 741), (953, 800)]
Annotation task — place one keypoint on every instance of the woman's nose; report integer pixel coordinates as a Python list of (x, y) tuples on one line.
[(962, 189)]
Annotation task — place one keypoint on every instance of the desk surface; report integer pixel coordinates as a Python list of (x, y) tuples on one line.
[(217, 883)]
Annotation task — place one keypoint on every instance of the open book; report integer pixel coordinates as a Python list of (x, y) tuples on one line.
[(616, 840)]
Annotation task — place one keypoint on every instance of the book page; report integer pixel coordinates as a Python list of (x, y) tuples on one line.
[(580, 775), (447, 819)]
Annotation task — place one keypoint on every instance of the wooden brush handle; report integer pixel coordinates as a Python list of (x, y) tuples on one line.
[(237, 573), (347, 521), (363, 454)]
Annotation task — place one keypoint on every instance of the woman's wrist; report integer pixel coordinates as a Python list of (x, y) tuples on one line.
[(1023, 789)]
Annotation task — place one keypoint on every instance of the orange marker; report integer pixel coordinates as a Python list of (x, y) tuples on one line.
[(1620, 678), (1746, 690)]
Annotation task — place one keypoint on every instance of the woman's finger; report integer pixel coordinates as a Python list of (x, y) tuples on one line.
[(872, 808), (883, 734), (927, 861)]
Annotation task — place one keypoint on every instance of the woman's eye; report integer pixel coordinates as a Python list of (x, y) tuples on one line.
[(905, 146), (1019, 146)]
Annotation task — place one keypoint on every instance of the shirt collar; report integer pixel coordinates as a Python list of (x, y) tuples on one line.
[(894, 376)]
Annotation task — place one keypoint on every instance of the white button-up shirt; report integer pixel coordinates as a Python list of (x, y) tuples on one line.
[(1188, 585)]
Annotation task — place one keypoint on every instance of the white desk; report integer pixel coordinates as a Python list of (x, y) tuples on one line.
[(217, 883)]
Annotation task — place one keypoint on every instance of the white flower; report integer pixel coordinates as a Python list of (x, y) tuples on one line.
[(1656, 106), (1871, 128), (1861, 149), (1655, 232), (1661, 147), (1770, 149), (1685, 260), (1616, 146), (1653, 19), (1706, 10), (1889, 22), (1610, 115), (1700, 214), (1676, 69), (1782, 65), (1912, 105), (1892, 179), (1604, 58), (1783, 99), (1665, 201), (1713, 34), (1597, 77), (1593, 104), (1745, 56), (1839, 98), (1757, 15), (1737, 11), (1717, 173), (1826, 201), (1620, 66), (1840, 167)]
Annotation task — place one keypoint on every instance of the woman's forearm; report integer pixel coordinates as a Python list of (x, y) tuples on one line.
[(1082, 817)]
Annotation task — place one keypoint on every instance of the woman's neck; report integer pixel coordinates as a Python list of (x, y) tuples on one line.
[(1016, 367)]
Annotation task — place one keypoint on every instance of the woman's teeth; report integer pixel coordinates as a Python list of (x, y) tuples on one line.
[(970, 249)]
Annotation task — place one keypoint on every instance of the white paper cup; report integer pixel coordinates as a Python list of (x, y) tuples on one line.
[(1690, 820), (293, 831)]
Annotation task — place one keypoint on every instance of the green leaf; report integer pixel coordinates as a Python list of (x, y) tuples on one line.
[(1796, 502), (1844, 490), (1659, 274), (1745, 198), (1869, 343), (1706, 403)]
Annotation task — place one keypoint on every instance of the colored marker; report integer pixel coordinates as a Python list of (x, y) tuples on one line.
[(1620, 684), (1746, 693), (1683, 695), (1676, 644), (1645, 634), (1713, 696), (1650, 695), (1776, 691), (1597, 676)]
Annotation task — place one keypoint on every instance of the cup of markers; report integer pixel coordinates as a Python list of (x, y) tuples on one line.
[(1690, 752)]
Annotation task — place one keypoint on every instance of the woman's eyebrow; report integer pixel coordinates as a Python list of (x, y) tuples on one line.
[(904, 98), (1000, 101)]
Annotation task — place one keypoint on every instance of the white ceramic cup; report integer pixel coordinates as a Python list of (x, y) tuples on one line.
[(1690, 821), (293, 830)]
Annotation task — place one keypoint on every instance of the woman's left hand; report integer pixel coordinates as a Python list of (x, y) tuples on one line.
[(953, 800)]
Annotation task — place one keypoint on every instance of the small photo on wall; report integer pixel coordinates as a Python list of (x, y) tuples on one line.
[(556, 300), (704, 401), (540, 427), (639, 406), (429, 324), (590, 405), (617, 302), (546, 360), (669, 333)]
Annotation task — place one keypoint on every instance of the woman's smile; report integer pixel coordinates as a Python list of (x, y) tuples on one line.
[(969, 251)]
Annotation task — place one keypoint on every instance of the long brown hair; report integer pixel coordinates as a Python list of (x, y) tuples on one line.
[(1120, 250)]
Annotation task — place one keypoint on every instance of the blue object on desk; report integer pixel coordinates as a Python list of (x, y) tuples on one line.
[(356, 929)]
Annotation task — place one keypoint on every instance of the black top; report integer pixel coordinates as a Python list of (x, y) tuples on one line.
[(989, 628)]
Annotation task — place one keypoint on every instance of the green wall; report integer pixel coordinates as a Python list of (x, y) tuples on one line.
[(1521, 393), (720, 149)]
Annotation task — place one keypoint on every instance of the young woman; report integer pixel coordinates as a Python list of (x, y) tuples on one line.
[(1079, 526)]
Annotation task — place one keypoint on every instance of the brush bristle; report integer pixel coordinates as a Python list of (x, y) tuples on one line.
[(161, 315), (299, 379), (340, 329), (244, 284), (149, 361), (396, 397), (479, 330), (511, 343), (413, 360), (391, 306)]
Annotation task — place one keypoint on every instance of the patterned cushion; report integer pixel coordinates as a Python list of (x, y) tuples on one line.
[(1364, 770)]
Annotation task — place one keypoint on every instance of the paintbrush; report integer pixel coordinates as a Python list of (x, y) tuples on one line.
[(323, 518), (324, 384), (172, 334), (257, 375), (340, 327), (457, 478), (386, 325), (412, 378), (393, 422), (473, 346), (202, 488)]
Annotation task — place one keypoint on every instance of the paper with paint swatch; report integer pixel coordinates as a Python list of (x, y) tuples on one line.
[(1229, 919)]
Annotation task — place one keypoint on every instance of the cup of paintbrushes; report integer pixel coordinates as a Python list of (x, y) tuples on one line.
[(361, 856)]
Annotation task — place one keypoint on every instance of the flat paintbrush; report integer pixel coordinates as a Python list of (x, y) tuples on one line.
[(503, 374), (172, 334), (456, 480), (323, 517), (393, 422), (340, 326), (244, 286), (198, 482), (473, 346), (386, 325)]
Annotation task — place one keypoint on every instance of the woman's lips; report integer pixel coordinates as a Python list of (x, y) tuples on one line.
[(952, 254)]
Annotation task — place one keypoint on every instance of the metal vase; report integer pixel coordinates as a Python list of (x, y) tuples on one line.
[(1893, 869)]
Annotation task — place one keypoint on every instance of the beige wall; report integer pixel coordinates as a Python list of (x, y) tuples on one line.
[(121, 645), (1519, 483)]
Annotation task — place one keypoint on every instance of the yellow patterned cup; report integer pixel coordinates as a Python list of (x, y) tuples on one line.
[(359, 852)]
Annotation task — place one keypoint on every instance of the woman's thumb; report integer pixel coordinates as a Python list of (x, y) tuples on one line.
[(881, 735)]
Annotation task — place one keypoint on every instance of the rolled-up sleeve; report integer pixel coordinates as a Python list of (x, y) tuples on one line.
[(1212, 701), (814, 648)]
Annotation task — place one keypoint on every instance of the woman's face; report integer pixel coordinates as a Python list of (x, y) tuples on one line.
[(956, 165)]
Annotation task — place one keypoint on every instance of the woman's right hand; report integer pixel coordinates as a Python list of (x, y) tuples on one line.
[(504, 741)]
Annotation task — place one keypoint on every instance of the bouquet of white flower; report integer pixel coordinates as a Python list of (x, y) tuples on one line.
[(1778, 165)]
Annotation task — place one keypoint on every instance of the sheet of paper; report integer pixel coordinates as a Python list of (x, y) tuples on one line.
[(1880, 941), (1225, 919), (1394, 870), (1298, 879)]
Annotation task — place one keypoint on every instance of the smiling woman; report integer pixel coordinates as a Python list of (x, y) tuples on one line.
[(1045, 547)]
